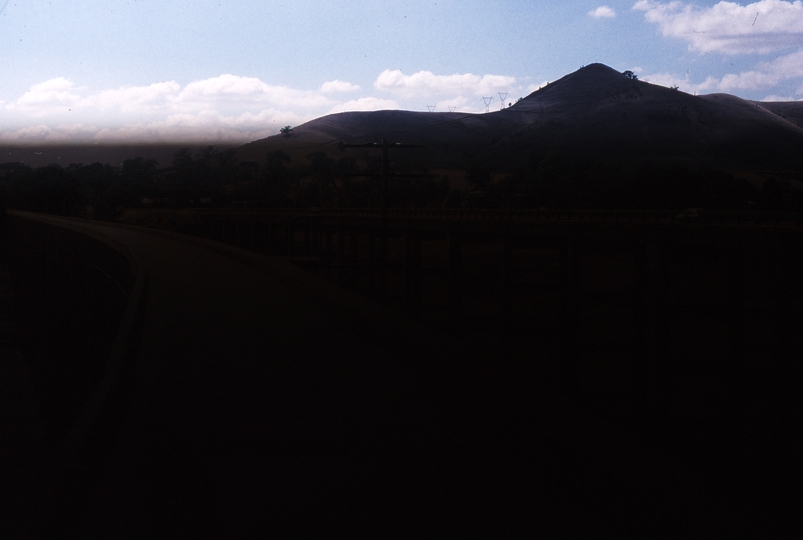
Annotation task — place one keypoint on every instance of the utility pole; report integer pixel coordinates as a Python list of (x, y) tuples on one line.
[(383, 237)]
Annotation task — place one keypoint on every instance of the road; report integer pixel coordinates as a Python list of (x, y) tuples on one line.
[(266, 399), (267, 402)]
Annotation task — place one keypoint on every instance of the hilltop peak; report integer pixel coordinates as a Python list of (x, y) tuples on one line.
[(597, 69), (590, 83), (598, 74)]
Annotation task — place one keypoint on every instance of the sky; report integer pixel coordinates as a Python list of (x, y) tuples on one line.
[(232, 71)]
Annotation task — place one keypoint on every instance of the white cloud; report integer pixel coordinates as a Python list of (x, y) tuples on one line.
[(602, 12), (149, 98), (365, 104), (225, 91), (27, 134), (247, 91), (425, 83), (226, 108), (765, 75), (338, 86), (205, 126), (54, 93), (727, 27)]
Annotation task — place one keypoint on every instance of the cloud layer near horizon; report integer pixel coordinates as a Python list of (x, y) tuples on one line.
[(227, 108)]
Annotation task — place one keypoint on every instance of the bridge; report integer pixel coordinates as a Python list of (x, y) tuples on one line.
[(268, 373)]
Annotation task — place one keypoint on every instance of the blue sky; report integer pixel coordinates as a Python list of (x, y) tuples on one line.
[(234, 71)]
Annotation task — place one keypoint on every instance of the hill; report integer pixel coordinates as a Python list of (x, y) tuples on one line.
[(594, 112)]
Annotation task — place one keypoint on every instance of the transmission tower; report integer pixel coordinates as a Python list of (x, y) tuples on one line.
[(452, 109), (431, 108), (502, 96), (487, 101)]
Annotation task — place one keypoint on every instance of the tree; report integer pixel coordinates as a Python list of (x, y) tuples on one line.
[(274, 170), (138, 168), (630, 75), (182, 158), (285, 131), (205, 155)]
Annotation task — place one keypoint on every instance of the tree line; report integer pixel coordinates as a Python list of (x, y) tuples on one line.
[(210, 178)]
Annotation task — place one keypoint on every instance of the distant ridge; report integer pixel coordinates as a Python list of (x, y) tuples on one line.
[(595, 111)]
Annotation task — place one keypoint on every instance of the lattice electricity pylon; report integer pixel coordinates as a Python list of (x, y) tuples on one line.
[(431, 108), (502, 96), (487, 101), (452, 109)]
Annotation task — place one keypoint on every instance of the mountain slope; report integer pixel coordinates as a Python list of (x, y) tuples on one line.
[(595, 111)]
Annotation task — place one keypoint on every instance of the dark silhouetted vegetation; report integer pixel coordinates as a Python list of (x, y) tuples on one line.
[(212, 179)]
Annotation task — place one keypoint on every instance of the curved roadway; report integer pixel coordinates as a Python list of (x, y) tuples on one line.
[(265, 400)]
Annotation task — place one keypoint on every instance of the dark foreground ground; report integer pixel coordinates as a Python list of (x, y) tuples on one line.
[(263, 402)]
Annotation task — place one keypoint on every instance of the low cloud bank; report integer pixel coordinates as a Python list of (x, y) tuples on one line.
[(228, 108)]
